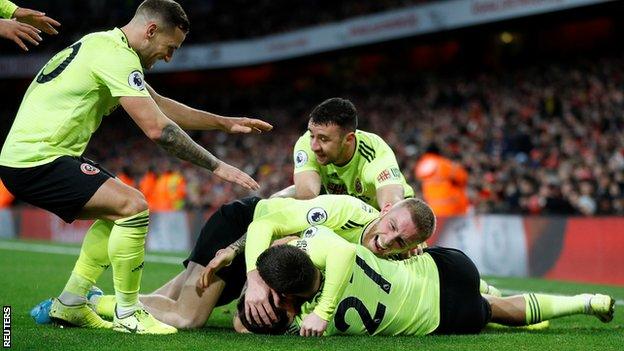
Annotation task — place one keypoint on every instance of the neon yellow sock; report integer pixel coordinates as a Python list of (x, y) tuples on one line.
[(126, 249), (483, 286), (488, 289), (540, 307), (93, 260), (76, 285)]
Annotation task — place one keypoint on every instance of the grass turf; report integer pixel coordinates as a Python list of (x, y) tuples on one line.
[(29, 277)]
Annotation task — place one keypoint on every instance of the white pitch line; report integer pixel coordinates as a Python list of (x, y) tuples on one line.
[(74, 251)]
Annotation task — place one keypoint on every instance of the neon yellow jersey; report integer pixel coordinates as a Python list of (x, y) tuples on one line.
[(67, 100), (279, 217), (7, 9), (372, 166), (375, 296)]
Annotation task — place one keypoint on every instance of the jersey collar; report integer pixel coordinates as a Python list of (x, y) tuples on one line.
[(121, 35), (365, 228)]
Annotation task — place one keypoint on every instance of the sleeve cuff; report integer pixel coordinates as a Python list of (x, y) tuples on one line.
[(7, 10)]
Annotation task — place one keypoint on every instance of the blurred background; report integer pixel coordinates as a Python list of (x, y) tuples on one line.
[(526, 97)]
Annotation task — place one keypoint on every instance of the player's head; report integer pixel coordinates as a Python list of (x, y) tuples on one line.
[(401, 227), (279, 327), (289, 271), (332, 128), (161, 27)]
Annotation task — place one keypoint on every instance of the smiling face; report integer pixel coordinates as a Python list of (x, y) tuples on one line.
[(330, 143), (159, 44), (394, 232)]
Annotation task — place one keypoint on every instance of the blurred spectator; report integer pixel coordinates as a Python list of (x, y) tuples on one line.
[(443, 183), (147, 184), (6, 198), (554, 202), (124, 176), (169, 191)]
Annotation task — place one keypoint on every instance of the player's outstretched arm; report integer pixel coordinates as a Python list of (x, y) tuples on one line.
[(313, 325), (174, 140), (307, 185), (223, 258), (335, 256), (19, 33), (194, 119), (37, 19)]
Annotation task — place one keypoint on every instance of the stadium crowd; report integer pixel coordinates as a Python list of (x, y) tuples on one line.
[(211, 20), (541, 140)]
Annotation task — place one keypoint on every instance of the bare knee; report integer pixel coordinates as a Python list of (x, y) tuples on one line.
[(184, 318), (189, 323), (134, 202)]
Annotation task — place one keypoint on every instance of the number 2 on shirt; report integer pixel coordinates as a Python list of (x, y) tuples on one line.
[(371, 323)]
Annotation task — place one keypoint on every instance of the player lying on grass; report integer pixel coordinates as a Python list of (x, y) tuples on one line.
[(351, 291), (188, 299)]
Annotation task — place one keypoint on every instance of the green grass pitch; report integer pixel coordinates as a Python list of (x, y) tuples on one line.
[(29, 277)]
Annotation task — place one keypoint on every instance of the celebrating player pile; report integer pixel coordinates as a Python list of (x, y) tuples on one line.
[(348, 290), (335, 277)]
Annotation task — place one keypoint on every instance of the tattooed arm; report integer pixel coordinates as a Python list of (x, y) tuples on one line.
[(223, 258), (193, 119), (167, 134), (179, 144), (239, 245)]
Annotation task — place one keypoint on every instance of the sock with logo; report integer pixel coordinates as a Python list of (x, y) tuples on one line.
[(126, 249), (541, 307), (93, 260)]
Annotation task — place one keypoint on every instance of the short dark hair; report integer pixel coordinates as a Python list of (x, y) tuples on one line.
[(287, 269), (422, 216), (169, 11), (277, 328), (337, 111)]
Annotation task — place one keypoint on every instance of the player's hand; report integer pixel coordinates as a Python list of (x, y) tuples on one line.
[(19, 32), (313, 325), (245, 125), (258, 307), (223, 258), (36, 19), (235, 175)]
